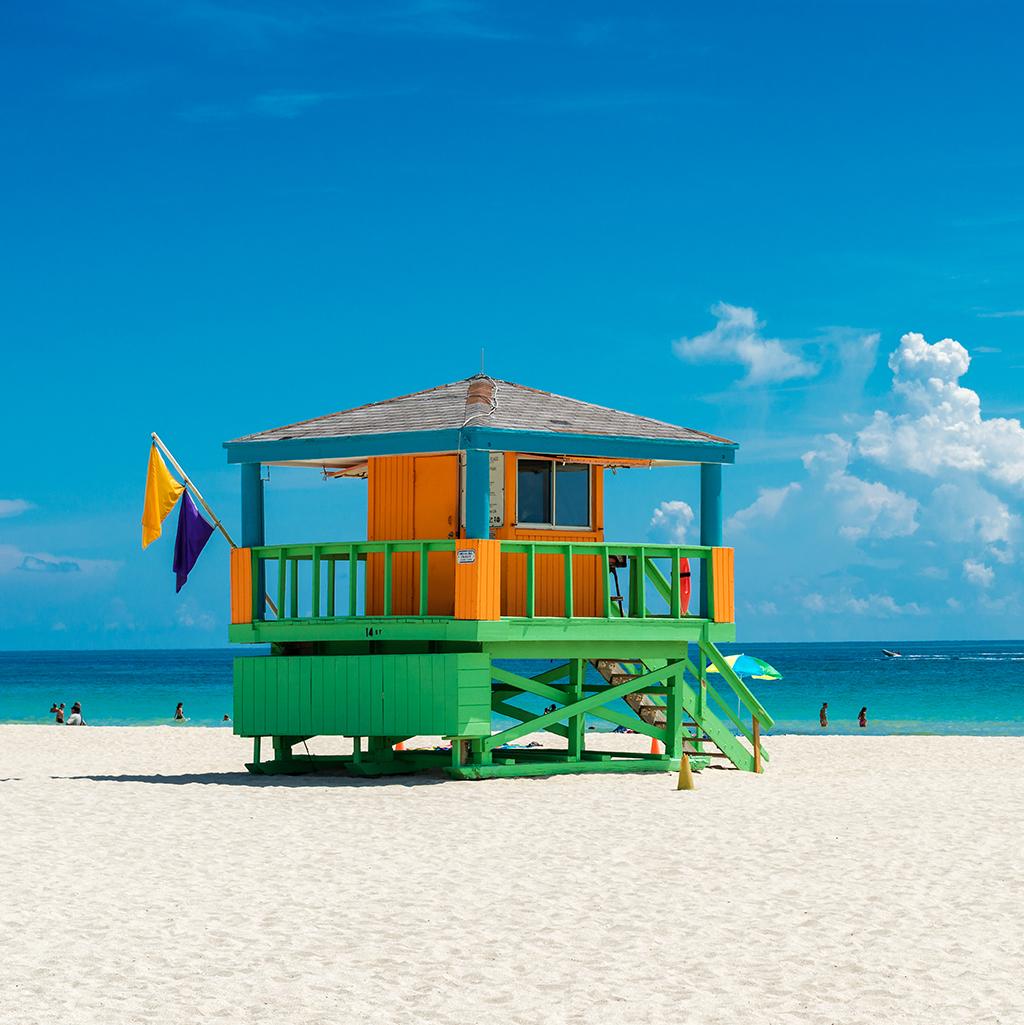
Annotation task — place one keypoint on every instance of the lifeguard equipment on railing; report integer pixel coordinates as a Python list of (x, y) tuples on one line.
[(617, 562)]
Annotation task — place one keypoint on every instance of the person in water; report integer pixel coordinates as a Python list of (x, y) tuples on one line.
[(75, 718), (179, 712), (53, 708), (823, 715), (862, 717), (59, 717)]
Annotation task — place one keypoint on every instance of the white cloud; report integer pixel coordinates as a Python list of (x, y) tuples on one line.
[(833, 455), (13, 507), (863, 508), (978, 573), (964, 525), (970, 515), (880, 605), (942, 427), (966, 511), (1007, 604), (915, 359), (870, 509), (190, 616), (737, 338), (954, 604), (766, 506), (48, 564), (885, 604), (16, 560), (673, 518)]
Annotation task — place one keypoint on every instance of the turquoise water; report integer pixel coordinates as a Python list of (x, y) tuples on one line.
[(937, 687)]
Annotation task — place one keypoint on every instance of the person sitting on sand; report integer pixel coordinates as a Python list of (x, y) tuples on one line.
[(179, 712), (75, 718), (862, 717), (59, 718), (823, 715)]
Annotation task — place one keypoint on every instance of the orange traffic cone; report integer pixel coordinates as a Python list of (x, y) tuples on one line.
[(655, 747)]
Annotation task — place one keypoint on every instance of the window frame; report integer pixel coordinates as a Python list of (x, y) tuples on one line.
[(554, 464)]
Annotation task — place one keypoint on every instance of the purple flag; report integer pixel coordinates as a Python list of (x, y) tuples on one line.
[(193, 533)]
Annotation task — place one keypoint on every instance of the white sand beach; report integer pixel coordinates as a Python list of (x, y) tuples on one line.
[(861, 879)]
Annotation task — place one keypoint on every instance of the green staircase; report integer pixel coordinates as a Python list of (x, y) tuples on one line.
[(700, 724)]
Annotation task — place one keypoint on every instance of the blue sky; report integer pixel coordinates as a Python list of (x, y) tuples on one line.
[(220, 217)]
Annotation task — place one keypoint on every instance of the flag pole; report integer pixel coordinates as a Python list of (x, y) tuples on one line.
[(202, 501), (195, 491)]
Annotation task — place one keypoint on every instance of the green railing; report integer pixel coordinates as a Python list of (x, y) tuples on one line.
[(341, 580), (645, 578), (279, 569)]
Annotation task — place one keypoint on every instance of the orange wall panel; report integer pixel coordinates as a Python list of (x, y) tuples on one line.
[(478, 582), (411, 498), (723, 582), (390, 518), (241, 585), (436, 517)]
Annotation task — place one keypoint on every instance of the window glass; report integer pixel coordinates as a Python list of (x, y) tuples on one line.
[(572, 495), (534, 490)]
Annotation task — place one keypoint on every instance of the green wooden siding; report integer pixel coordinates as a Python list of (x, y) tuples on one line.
[(363, 695)]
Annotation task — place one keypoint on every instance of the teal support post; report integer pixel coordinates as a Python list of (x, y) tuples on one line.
[(253, 533), (253, 528), (478, 493), (710, 521)]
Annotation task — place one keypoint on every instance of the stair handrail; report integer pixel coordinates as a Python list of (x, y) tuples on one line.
[(739, 687)]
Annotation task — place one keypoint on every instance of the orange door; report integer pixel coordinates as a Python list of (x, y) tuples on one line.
[(436, 518)]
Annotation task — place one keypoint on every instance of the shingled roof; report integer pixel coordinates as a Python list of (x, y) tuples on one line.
[(481, 401)]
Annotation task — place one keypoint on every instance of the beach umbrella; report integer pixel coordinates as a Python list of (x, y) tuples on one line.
[(747, 665)]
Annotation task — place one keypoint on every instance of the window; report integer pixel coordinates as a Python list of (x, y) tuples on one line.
[(572, 495), (553, 494), (534, 491)]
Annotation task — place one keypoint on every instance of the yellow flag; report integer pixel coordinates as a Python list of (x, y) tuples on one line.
[(162, 491)]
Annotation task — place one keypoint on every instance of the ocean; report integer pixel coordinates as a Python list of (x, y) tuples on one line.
[(947, 687)]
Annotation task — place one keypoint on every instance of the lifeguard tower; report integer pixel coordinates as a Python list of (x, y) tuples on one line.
[(486, 548)]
